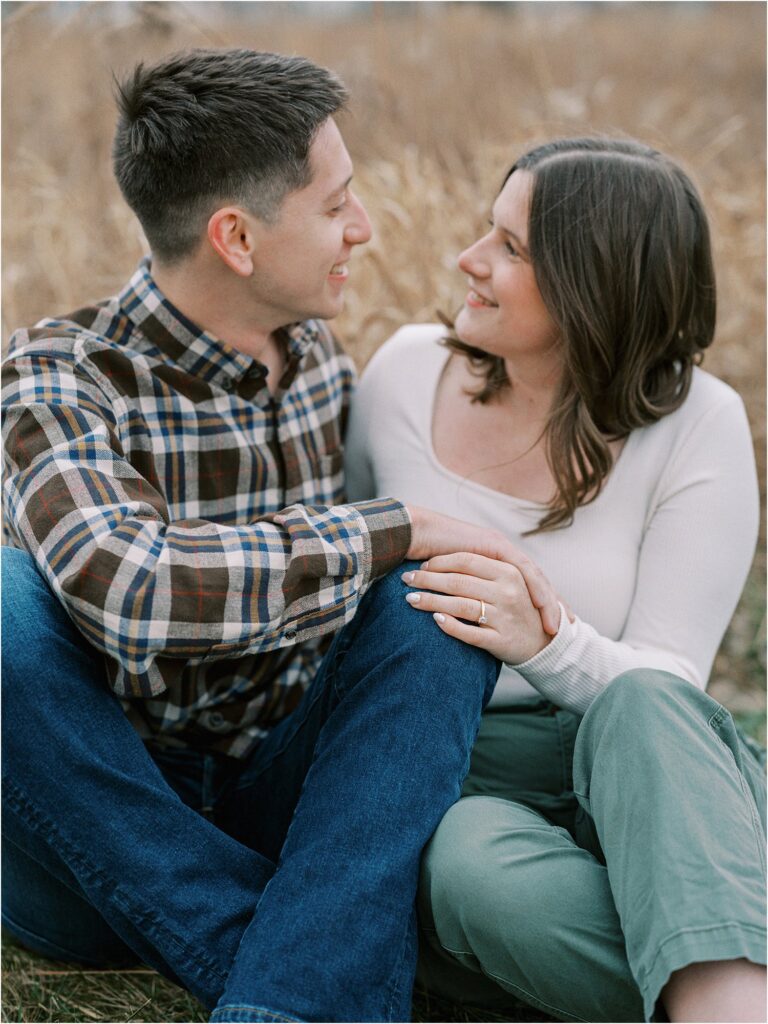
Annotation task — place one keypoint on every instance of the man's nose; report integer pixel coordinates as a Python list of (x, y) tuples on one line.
[(358, 230)]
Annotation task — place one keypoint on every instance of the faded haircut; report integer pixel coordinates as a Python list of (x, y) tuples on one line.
[(206, 128)]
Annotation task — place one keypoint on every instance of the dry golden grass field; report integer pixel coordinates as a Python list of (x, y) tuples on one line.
[(444, 97)]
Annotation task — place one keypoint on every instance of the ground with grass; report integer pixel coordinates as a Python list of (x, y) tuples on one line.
[(37, 990)]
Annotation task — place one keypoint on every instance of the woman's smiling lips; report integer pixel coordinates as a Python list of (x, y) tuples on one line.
[(478, 301)]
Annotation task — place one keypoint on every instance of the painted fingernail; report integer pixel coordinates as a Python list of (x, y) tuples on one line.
[(413, 598), (407, 577), (439, 617)]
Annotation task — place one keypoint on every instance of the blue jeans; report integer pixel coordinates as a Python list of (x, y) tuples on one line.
[(283, 890)]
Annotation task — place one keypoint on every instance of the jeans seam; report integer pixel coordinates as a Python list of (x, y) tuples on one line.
[(21, 932), (397, 972), (19, 800), (262, 1010)]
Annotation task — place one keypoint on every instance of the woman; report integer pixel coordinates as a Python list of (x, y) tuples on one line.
[(605, 860)]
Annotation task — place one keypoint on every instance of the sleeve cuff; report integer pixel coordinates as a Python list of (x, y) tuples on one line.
[(544, 664), (389, 531)]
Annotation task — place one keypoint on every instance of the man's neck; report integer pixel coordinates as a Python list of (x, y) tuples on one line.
[(215, 304)]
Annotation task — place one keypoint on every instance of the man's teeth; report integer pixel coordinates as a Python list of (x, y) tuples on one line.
[(479, 298), (339, 268)]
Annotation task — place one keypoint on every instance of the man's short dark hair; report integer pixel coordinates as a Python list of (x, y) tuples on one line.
[(209, 127)]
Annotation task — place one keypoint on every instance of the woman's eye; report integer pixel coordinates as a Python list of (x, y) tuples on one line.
[(508, 246), (340, 207)]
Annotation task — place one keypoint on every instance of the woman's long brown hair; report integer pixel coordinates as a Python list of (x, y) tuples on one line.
[(620, 247)]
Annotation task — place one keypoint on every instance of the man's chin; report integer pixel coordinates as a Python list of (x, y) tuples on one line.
[(327, 310)]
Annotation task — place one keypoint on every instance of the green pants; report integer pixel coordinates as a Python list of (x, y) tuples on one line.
[(590, 858)]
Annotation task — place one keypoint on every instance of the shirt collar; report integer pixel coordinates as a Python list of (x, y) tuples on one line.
[(191, 348)]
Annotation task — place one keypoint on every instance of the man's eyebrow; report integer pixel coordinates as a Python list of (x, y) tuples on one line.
[(339, 190)]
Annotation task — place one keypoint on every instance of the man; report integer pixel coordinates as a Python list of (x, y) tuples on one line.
[(173, 491)]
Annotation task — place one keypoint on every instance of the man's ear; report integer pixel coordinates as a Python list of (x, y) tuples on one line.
[(232, 234)]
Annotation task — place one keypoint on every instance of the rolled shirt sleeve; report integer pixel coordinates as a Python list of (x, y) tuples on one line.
[(147, 589)]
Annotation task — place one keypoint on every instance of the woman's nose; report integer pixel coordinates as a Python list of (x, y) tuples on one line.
[(473, 262)]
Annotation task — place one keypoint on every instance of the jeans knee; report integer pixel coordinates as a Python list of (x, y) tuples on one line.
[(385, 610), (24, 593), (40, 641), (27, 594), (15, 564), (387, 595)]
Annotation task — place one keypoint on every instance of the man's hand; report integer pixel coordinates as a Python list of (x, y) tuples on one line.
[(435, 534)]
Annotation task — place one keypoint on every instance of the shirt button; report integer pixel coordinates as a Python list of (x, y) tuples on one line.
[(215, 719), (290, 633), (228, 384)]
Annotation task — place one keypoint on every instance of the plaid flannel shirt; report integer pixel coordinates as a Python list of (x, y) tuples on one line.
[(190, 522)]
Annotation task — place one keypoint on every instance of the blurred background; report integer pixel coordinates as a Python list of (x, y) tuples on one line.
[(444, 96)]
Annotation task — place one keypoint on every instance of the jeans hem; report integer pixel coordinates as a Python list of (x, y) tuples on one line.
[(247, 1014), (41, 946), (730, 941)]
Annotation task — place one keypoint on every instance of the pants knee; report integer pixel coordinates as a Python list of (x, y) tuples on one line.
[(468, 888), (457, 847), (647, 692)]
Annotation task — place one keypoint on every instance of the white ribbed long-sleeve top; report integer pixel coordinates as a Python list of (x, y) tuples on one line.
[(652, 569)]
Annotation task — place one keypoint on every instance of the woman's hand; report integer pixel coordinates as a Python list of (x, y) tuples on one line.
[(458, 587), (434, 534)]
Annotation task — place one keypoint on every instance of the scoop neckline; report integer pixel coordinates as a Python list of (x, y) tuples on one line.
[(523, 504)]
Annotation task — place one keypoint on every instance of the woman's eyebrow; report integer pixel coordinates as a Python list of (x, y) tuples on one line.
[(515, 238)]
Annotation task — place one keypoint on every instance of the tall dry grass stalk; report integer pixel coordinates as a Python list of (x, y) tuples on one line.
[(444, 97)]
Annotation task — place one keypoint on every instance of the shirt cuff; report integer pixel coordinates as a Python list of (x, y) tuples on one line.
[(389, 530), (543, 665)]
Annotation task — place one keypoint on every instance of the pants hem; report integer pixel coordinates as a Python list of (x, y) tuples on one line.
[(719, 942)]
